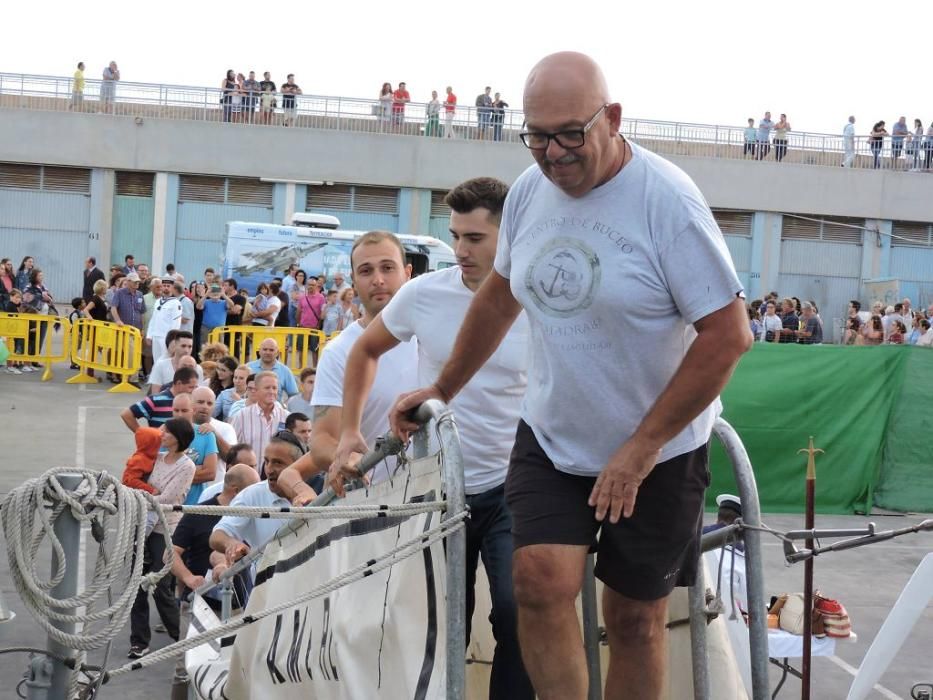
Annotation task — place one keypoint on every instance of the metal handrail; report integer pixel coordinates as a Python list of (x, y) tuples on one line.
[(205, 103)]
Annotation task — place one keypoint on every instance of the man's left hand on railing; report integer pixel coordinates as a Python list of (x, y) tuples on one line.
[(350, 449)]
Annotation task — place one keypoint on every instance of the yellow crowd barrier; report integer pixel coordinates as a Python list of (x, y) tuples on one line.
[(102, 346), (29, 339), (295, 344)]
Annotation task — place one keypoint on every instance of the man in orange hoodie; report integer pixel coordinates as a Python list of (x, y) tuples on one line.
[(139, 465)]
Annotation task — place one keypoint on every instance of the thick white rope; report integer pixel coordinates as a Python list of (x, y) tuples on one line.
[(313, 512), (384, 561), (117, 516)]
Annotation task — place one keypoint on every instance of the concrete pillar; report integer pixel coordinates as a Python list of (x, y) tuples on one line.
[(100, 225), (164, 221), (286, 201), (422, 213), (407, 208), (873, 245), (765, 264)]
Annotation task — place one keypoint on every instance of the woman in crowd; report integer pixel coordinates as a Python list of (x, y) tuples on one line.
[(261, 311), (223, 374), (875, 333), (915, 330), (229, 88), (37, 297), (297, 291), (214, 351), (876, 142), (281, 314), (197, 290), (852, 335), (7, 279), (898, 331), (171, 479), (22, 274), (116, 281), (780, 142), (753, 323), (433, 112), (97, 309), (348, 311), (915, 144), (385, 102)]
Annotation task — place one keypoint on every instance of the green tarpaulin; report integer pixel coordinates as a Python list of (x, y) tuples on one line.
[(867, 407)]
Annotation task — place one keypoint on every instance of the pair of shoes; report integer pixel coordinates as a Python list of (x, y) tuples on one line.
[(36, 365), (160, 628), (27, 368), (137, 651), (13, 370), (73, 366)]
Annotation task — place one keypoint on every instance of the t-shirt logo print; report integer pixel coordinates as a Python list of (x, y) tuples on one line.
[(563, 277)]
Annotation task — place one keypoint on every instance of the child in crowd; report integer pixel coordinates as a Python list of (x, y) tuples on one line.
[(331, 313), (14, 305), (139, 465)]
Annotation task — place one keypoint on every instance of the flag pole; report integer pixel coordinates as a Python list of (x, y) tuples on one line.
[(808, 571)]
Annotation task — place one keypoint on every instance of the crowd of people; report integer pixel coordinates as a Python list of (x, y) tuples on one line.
[(155, 305), (789, 320), (915, 145)]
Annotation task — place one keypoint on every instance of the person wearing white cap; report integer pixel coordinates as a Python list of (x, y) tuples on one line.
[(731, 572), (165, 316)]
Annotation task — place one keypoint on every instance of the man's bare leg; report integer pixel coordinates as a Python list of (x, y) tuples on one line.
[(547, 579), (637, 646)]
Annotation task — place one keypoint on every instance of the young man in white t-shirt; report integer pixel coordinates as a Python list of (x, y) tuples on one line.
[(379, 271), (431, 308), (614, 255), (179, 344)]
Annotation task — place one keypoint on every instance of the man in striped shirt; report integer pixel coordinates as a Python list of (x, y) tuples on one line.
[(256, 424), (157, 409)]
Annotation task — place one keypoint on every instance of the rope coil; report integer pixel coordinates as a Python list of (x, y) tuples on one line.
[(117, 519)]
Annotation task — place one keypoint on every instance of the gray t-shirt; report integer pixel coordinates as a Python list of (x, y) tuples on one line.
[(764, 129), (611, 283)]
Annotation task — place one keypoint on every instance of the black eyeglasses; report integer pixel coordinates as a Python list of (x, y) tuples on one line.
[(569, 139)]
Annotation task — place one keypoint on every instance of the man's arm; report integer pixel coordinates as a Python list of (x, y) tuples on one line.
[(115, 313), (207, 470), (359, 375), (325, 431), (491, 314), (229, 546), (182, 572), (706, 368), (129, 420)]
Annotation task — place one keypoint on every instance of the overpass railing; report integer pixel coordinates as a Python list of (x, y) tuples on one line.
[(210, 104)]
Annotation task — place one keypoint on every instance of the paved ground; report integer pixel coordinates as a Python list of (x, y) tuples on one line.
[(50, 424)]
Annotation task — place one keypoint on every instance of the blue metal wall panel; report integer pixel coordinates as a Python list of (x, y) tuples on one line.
[(364, 221), (132, 227), (60, 255), (440, 228), (740, 248), (201, 230), (821, 259), (909, 263), (45, 211), (52, 227)]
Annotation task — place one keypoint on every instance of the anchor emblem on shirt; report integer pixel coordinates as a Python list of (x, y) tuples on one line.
[(569, 281)]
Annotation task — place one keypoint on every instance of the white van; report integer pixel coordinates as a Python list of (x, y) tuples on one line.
[(255, 253)]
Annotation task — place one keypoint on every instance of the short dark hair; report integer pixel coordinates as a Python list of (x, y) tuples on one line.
[(898, 307), (924, 323), (478, 193), (293, 418), (230, 457), (307, 372), (92, 259), (251, 378), (77, 303), (170, 267), (209, 269), (231, 282), (171, 337), (184, 334), (128, 257), (183, 375), (857, 305), (183, 431), (287, 437)]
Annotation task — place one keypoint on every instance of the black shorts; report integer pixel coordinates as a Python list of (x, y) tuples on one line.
[(642, 557)]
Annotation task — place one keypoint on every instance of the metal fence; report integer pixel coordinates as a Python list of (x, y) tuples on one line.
[(38, 92)]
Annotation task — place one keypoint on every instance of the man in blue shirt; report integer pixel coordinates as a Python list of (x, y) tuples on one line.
[(215, 307), (268, 362), (764, 136), (898, 133)]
